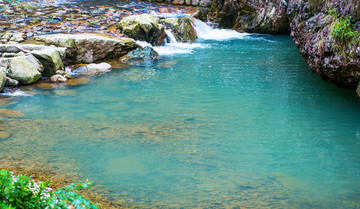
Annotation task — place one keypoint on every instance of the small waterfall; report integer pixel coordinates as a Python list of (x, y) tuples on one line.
[(171, 36), (206, 32), (201, 28)]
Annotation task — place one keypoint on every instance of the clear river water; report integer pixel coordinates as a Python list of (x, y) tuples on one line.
[(232, 120)]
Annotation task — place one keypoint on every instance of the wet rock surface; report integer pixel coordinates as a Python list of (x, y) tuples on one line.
[(254, 16), (182, 28), (146, 54), (334, 60), (143, 27)]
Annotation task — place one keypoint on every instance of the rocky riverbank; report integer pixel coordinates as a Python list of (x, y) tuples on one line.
[(28, 55), (333, 55)]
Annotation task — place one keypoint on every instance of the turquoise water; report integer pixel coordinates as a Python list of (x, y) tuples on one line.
[(234, 123)]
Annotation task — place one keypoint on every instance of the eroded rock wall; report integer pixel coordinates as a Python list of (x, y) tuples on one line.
[(335, 58), (254, 16)]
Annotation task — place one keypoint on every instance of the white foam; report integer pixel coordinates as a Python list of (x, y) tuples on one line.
[(206, 32), (16, 93), (173, 47), (171, 36), (178, 48)]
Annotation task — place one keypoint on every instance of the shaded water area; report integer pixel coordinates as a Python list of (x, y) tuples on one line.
[(233, 123)]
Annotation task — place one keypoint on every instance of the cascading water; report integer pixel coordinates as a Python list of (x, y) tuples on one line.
[(203, 31), (171, 36), (206, 32)]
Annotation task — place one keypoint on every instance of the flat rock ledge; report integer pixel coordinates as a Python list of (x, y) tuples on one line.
[(89, 48)]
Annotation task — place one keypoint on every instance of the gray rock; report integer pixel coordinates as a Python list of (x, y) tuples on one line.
[(58, 79), (50, 57), (146, 54), (18, 37), (7, 36), (144, 28), (93, 69), (205, 3), (11, 82), (24, 68), (182, 28), (89, 48), (102, 67)]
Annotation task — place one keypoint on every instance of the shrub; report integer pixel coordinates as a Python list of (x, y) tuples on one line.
[(21, 192)]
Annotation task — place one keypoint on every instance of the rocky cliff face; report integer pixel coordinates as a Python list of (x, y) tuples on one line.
[(328, 36), (254, 16)]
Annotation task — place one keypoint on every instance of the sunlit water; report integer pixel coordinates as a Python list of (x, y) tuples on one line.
[(240, 122)]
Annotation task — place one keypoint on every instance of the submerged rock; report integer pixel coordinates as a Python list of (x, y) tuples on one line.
[(4, 134), (144, 28), (146, 54), (88, 48), (11, 113), (45, 86), (182, 28), (78, 81), (65, 92), (167, 64)]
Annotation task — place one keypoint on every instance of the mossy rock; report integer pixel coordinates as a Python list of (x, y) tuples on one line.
[(182, 28), (144, 28)]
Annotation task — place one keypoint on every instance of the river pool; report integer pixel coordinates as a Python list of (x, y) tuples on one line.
[(226, 122)]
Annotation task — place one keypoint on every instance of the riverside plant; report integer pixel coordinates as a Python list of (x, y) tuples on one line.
[(21, 192), (343, 29)]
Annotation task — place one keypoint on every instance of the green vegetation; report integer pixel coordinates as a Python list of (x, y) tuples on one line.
[(354, 6), (343, 30), (21, 192)]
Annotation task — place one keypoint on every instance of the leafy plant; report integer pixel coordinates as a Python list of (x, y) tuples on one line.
[(342, 29), (21, 192)]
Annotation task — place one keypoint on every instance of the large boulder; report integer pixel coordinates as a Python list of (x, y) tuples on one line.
[(49, 56), (24, 68), (144, 28), (182, 28), (89, 48), (254, 16)]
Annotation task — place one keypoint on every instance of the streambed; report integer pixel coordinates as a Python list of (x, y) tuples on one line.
[(236, 120)]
